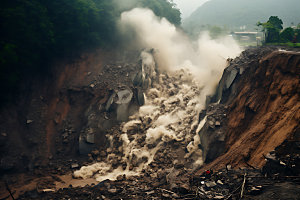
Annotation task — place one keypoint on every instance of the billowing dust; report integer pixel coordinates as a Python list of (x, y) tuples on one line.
[(167, 125)]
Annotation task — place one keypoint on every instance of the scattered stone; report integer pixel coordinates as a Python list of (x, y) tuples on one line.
[(48, 190), (211, 123), (271, 156), (282, 163), (219, 197), (228, 167), (151, 192), (90, 138), (74, 165), (110, 101), (210, 184), (29, 121)]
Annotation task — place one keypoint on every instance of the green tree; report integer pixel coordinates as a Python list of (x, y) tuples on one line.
[(287, 35), (163, 8), (271, 28), (35, 32)]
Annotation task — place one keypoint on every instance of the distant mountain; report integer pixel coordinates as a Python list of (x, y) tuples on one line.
[(236, 13)]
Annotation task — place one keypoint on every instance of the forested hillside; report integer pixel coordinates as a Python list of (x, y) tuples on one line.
[(35, 32), (236, 13)]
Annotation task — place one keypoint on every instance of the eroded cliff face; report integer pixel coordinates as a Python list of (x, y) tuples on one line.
[(263, 106), (51, 115)]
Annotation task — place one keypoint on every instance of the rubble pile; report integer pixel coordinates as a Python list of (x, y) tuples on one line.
[(160, 151), (162, 133), (226, 183)]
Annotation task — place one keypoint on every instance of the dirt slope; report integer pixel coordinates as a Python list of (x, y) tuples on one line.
[(263, 112)]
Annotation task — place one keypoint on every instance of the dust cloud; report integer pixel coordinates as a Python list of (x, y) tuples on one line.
[(205, 58), (188, 71)]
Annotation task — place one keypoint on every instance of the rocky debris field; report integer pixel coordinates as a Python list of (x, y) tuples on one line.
[(226, 183), (279, 179), (168, 166)]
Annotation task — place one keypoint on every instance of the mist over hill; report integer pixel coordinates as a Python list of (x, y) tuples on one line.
[(236, 13)]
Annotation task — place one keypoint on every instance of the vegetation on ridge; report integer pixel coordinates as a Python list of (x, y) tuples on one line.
[(274, 33), (34, 32)]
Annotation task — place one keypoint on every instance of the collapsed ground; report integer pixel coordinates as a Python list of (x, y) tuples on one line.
[(241, 129)]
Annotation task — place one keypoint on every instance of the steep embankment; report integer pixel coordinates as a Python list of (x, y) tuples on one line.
[(50, 116), (263, 107)]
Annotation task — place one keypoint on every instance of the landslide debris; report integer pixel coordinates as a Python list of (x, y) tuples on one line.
[(254, 118)]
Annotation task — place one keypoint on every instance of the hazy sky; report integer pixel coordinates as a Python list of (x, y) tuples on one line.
[(188, 6)]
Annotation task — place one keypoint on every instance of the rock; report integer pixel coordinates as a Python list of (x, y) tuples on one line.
[(282, 163), (166, 195), (112, 190), (123, 99), (90, 138), (84, 147), (210, 184), (220, 182), (138, 79), (48, 190), (230, 78), (140, 97), (92, 85), (218, 123), (110, 101), (271, 156), (151, 192), (219, 197), (228, 167), (29, 121), (211, 123), (109, 150), (124, 96)]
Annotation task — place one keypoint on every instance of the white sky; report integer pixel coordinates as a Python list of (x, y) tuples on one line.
[(188, 6)]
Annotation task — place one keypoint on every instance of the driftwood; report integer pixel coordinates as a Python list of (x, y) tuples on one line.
[(243, 185)]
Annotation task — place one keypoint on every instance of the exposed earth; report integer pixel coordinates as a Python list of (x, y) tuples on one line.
[(245, 143)]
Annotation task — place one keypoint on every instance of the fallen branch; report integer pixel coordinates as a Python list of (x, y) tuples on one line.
[(10, 193), (243, 186)]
